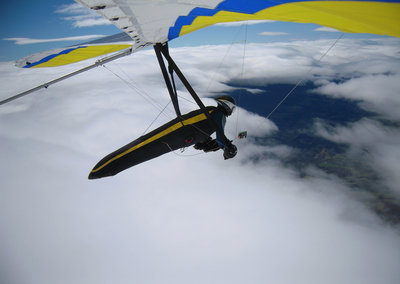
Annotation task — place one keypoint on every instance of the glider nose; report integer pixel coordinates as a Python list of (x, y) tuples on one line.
[(96, 174), (93, 176)]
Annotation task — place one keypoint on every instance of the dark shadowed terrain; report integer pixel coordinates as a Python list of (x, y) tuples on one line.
[(296, 119)]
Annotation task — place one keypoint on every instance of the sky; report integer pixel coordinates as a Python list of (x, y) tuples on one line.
[(187, 217)]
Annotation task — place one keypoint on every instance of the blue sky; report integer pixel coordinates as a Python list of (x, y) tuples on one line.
[(44, 19), (40, 19)]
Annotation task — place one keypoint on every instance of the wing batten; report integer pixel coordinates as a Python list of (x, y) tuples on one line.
[(120, 15)]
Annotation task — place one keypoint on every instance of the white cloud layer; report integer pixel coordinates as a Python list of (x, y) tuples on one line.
[(193, 219), (23, 40), (240, 23), (272, 33), (380, 142), (377, 92), (326, 29)]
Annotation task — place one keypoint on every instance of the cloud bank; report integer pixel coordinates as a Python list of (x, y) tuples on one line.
[(23, 40), (240, 23), (380, 142), (273, 33), (187, 218), (326, 29)]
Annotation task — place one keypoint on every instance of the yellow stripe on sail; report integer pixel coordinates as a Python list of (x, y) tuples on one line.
[(347, 16), (82, 53)]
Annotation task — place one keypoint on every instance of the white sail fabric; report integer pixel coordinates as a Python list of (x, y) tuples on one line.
[(146, 21)]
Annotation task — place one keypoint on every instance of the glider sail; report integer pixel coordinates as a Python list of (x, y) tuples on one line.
[(154, 21), (377, 17), (159, 21)]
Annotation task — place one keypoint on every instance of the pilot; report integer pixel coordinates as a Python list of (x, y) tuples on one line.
[(226, 105)]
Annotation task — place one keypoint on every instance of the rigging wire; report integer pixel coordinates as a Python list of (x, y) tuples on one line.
[(234, 40), (214, 74), (183, 150), (140, 92), (301, 80), (128, 78), (156, 118), (144, 95), (241, 76)]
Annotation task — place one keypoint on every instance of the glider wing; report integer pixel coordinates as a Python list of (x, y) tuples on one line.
[(64, 56), (157, 21)]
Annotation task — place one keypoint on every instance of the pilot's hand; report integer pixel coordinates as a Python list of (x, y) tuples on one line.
[(199, 146), (202, 145), (230, 151)]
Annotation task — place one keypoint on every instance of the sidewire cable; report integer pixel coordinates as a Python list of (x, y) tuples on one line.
[(182, 150), (241, 76), (132, 82), (301, 80), (156, 118), (149, 99), (234, 40), (144, 95)]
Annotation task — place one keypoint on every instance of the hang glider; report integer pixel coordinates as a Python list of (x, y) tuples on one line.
[(156, 22)]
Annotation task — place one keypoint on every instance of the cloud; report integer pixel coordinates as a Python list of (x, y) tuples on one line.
[(23, 41), (89, 22), (239, 23), (378, 141), (182, 218), (255, 125), (272, 33), (74, 8), (377, 93), (80, 16), (326, 29)]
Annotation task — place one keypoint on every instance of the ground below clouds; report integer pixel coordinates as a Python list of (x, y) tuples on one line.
[(296, 119)]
